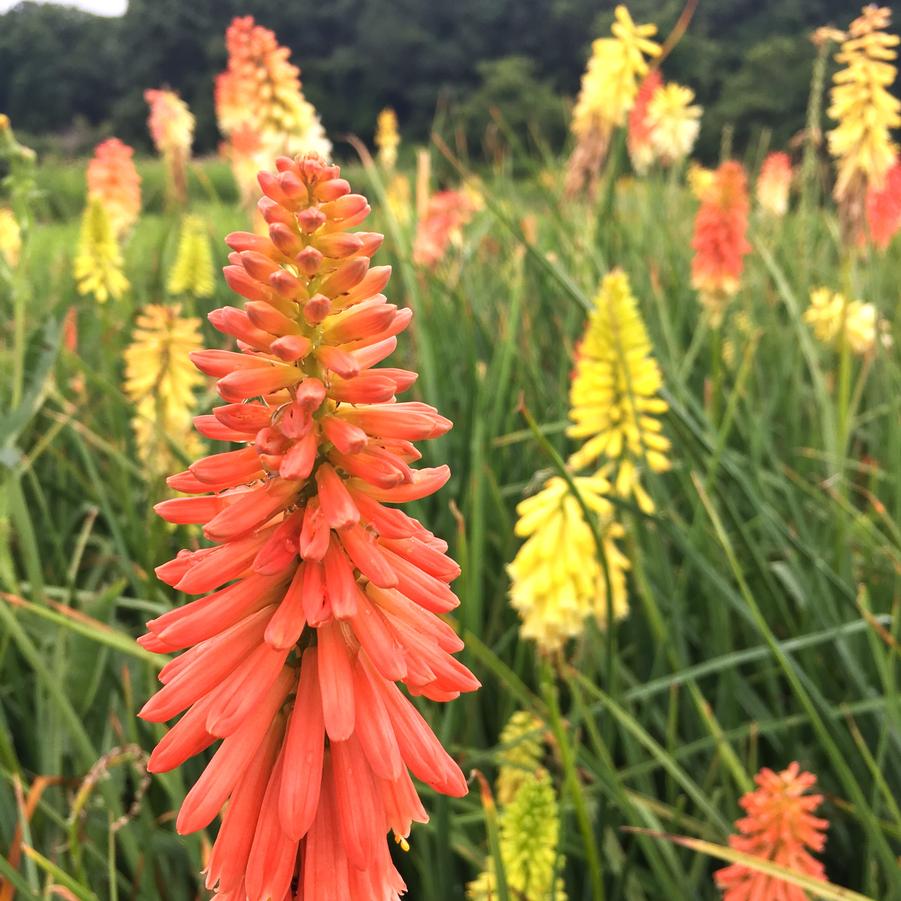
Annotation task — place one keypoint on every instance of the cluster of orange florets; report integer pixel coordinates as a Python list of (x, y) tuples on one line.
[(323, 596)]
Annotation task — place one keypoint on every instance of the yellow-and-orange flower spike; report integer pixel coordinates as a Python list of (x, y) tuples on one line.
[(323, 597), (774, 183), (114, 181), (865, 111), (641, 150), (260, 106), (780, 827), (171, 126), (720, 242)]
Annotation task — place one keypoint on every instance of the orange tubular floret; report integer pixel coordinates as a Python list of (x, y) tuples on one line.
[(323, 596)]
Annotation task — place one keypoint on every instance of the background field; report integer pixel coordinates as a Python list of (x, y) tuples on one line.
[(764, 592)]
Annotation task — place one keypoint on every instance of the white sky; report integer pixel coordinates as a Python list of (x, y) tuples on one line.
[(101, 7)]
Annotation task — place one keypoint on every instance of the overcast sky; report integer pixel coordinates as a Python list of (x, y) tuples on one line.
[(102, 7)]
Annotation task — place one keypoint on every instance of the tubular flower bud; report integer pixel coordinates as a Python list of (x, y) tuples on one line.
[(387, 138), (609, 88), (556, 579), (520, 754), (160, 381), (442, 225), (192, 272), (114, 180), (773, 184), (884, 208), (325, 598), (641, 151), (836, 320), (719, 239), (260, 106), (98, 261), (171, 126), (614, 402), (10, 238), (780, 827), (674, 121), (866, 112)]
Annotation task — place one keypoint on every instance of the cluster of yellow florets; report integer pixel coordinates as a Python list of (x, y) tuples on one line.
[(560, 577)]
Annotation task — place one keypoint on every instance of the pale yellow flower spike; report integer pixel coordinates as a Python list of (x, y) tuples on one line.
[(675, 121), (10, 238), (834, 319), (192, 272), (98, 261), (609, 87), (387, 138), (863, 105), (556, 579), (160, 380), (614, 400)]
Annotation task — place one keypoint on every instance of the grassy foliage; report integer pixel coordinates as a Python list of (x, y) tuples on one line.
[(764, 591)]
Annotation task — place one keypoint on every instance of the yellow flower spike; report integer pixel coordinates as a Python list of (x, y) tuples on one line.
[(10, 238), (387, 137), (98, 261), (608, 91), (161, 380), (674, 120), (614, 394), (192, 272), (521, 751), (700, 180), (557, 581), (398, 198), (834, 320), (865, 110), (529, 839)]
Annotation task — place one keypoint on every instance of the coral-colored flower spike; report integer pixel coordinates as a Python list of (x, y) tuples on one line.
[(114, 180), (884, 208), (774, 183), (324, 595), (442, 225), (719, 240), (780, 827), (641, 150)]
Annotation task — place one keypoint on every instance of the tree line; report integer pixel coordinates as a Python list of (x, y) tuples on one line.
[(77, 77)]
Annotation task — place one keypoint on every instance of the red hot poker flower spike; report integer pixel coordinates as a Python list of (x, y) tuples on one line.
[(780, 826), (324, 596)]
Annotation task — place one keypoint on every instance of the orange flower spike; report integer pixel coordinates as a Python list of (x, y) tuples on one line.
[(780, 827), (641, 150), (720, 242), (884, 208), (323, 598), (114, 180)]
